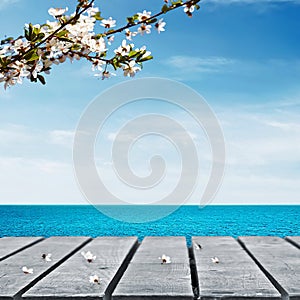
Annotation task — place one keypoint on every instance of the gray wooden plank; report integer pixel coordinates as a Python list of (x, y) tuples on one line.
[(295, 240), (12, 245), (71, 279), (279, 259), (13, 282), (236, 276), (147, 278)]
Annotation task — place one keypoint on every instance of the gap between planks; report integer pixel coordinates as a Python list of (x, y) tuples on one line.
[(18, 296), (22, 248), (275, 283)]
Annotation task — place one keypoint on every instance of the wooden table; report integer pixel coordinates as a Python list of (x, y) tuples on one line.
[(247, 268)]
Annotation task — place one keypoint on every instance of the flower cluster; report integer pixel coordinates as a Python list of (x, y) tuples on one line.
[(45, 257), (76, 36), (90, 257)]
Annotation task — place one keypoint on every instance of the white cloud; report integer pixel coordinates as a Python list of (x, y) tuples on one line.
[(199, 64), (15, 133), (182, 65), (258, 189), (62, 137), (6, 3), (262, 145), (37, 181), (286, 126), (259, 138)]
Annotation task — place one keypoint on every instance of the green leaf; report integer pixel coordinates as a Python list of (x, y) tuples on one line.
[(152, 21), (149, 57), (26, 32), (61, 33), (32, 79), (103, 54), (38, 38), (115, 63), (65, 40), (29, 33), (140, 64), (165, 8), (76, 47), (176, 3), (130, 20), (36, 30), (31, 55), (97, 16), (99, 36), (41, 36), (41, 79), (7, 40), (2, 63), (133, 53)]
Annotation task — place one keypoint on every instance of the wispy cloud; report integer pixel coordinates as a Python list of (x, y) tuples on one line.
[(5, 3), (62, 137), (199, 64), (37, 181)]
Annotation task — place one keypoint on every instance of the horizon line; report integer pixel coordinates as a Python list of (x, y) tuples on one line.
[(192, 204)]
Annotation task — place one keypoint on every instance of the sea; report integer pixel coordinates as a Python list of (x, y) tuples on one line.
[(188, 221)]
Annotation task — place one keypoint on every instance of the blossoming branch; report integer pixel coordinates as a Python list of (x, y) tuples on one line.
[(76, 37)]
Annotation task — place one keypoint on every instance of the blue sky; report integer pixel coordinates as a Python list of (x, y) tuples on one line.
[(242, 56)]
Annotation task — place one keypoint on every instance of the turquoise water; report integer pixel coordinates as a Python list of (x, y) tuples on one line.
[(186, 221)]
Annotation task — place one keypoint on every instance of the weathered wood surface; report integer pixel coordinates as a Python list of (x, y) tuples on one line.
[(71, 279), (295, 240), (280, 261), (12, 245), (147, 278), (13, 282), (236, 276), (250, 268)]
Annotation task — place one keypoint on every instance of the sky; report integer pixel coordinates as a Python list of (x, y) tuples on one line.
[(242, 56)]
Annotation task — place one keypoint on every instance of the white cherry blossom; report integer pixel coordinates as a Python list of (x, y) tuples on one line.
[(47, 257), (57, 12), (144, 16), (21, 44), (38, 68), (144, 29), (131, 69), (215, 260), (124, 49), (129, 34), (147, 53), (108, 23), (88, 256), (165, 259), (27, 270), (95, 279), (160, 26), (92, 11)]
